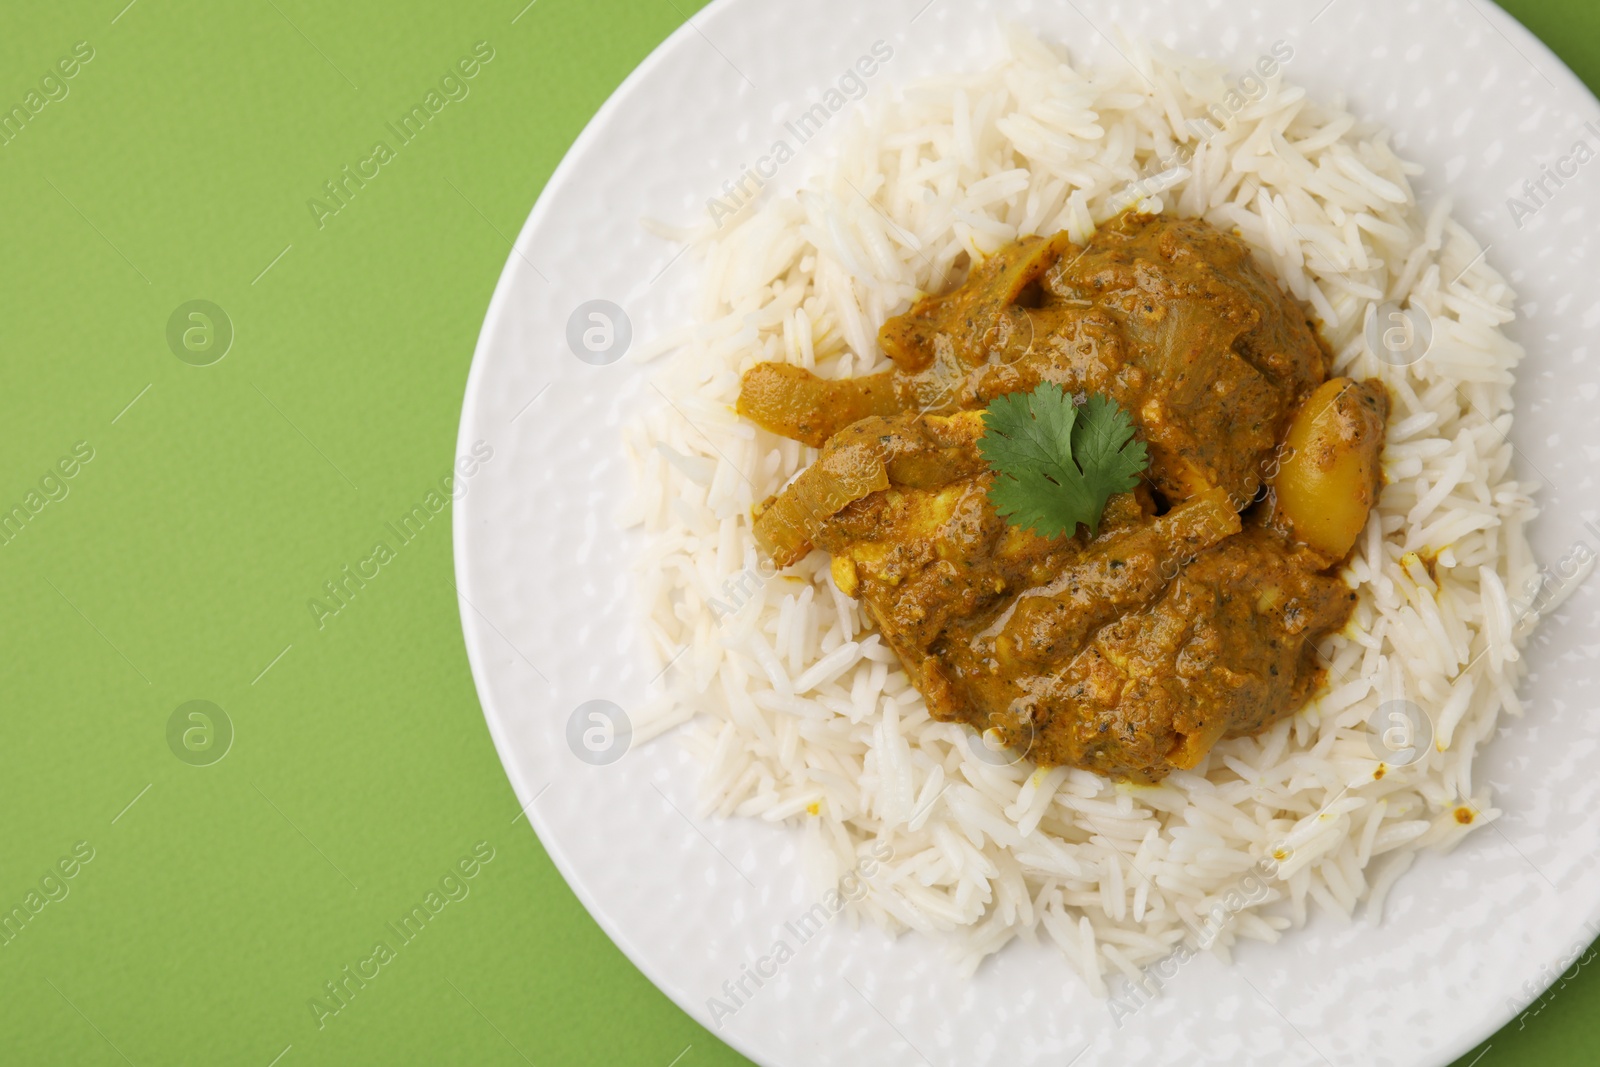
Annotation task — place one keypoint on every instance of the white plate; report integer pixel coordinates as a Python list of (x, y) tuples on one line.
[(549, 612)]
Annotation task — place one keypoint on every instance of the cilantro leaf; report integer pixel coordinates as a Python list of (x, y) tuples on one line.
[(1055, 463)]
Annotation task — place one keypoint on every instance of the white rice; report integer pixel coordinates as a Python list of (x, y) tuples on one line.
[(800, 714)]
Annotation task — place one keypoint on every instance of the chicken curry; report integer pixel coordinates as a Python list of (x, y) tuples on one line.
[(1189, 610)]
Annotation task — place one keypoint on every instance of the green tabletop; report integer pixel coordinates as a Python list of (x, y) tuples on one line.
[(220, 384)]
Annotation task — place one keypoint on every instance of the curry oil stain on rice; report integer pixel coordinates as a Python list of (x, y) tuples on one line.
[(798, 711)]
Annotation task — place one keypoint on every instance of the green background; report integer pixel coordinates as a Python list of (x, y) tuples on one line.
[(179, 563)]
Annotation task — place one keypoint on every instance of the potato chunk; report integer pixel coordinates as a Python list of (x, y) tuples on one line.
[(1329, 476)]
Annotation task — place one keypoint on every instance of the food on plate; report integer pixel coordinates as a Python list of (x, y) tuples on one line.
[(1037, 576), (1052, 393)]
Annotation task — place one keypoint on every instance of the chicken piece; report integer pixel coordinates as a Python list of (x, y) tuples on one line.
[(1227, 650), (1168, 317), (861, 459), (1128, 653)]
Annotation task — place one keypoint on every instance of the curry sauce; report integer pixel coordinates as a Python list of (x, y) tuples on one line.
[(1193, 614)]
